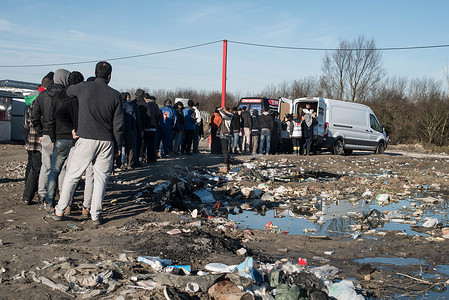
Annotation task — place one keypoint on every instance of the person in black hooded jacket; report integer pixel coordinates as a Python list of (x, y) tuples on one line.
[(141, 119), (236, 123), (39, 118), (62, 125)]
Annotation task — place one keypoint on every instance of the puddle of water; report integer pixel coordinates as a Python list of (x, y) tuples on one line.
[(397, 261), (287, 220), (428, 295), (429, 273), (442, 269), (335, 221)]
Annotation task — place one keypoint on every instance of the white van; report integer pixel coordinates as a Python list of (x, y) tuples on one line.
[(342, 126)]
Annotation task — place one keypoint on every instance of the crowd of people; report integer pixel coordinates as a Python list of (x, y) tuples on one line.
[(238, 131), (75, 127)]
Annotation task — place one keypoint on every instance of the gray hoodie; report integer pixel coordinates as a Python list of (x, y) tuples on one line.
[(62, 77)]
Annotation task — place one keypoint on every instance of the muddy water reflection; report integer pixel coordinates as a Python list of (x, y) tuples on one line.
[(341, 217)]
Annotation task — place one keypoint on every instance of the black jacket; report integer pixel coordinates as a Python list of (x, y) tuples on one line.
[(63, 116), (255, 121), (152, 116), (41, 111), (142, 112), (179, 125), (246, 118), (306, 130), (266, 121), (100, 114), (235, 122)]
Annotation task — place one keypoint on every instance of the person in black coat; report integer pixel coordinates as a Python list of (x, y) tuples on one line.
[(307, 131), (266, 126), (62, 125), (39, 117), (235, 129), (141, 119)]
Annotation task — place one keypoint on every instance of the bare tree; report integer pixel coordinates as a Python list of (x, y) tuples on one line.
[(426, 89), (350, 72), (306, 87), (391, 89), (446, 76), (270, 91)]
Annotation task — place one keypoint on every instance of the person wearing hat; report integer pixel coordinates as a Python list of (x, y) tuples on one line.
[(150, 125)]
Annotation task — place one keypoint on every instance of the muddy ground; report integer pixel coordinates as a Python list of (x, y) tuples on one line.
[(138, 226)]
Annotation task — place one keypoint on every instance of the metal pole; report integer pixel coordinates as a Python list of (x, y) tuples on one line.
[(223, 87)]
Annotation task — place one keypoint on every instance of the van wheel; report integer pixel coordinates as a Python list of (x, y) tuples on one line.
[(338, 147), (380, 148), (348, 151)]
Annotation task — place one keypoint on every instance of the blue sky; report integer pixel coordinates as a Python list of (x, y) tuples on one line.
[(47, 32)]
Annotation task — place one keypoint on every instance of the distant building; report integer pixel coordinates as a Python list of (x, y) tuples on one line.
[(12, 108)]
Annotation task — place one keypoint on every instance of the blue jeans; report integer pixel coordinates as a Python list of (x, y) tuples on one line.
[(235, 141), (165, 138), (265, 135), (61, 151), (196, 139), (177, 141)]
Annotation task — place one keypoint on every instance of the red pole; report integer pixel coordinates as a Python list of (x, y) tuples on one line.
[(223, 87)]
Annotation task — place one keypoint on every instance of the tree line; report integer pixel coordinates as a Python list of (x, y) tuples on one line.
[(412, 110)]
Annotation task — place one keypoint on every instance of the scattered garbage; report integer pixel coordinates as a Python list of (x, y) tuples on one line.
[(246, 268), (344, 290), (155, 262), (219, 268), (429, 222), (226, 290), (383, 199), (200, 201), (205, 196), (376, 219)]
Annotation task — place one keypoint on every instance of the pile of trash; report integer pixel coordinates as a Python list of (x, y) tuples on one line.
[(260, 185), (133, 277)]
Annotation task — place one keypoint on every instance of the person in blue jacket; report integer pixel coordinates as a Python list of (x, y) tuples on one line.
[(189, 128), (168, 120)]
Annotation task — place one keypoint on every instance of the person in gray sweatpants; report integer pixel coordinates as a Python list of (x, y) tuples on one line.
[(100, 131)]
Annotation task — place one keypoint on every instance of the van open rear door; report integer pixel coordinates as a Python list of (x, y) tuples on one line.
[(321, 116), (285, 107)]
